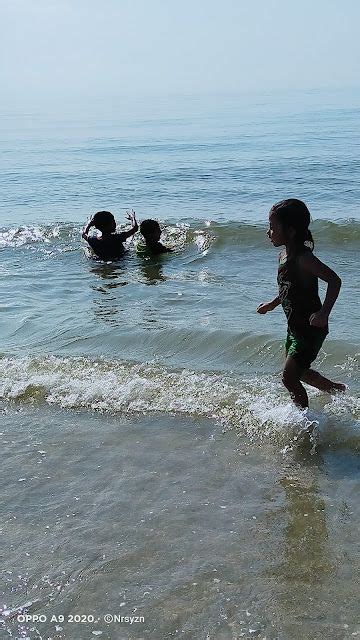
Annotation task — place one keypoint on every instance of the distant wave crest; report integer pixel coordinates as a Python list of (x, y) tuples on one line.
[(202, 233)]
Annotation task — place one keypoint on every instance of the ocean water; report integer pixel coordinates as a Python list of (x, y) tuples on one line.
[(152, 462)]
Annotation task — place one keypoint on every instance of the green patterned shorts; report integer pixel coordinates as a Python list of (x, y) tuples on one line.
[(304, 349)]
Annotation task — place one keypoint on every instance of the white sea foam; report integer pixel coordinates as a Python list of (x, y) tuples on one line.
[(258, 405), (22, 235), (175, 236), (19, 236)]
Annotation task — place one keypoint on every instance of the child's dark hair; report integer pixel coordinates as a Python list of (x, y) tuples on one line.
[(102, 219), (147, 227), (294, 213)]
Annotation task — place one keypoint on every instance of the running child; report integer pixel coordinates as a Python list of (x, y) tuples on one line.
[(110, 245), (297, 278)]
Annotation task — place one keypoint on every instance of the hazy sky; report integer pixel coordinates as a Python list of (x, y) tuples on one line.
[(60, 50)]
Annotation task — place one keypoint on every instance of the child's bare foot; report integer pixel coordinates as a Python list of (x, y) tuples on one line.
[(339, 386)]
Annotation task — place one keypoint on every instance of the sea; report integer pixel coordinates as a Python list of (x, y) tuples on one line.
[(156, 480)]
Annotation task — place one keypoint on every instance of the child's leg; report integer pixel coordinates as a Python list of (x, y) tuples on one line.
[(315, 379), (292, 375)]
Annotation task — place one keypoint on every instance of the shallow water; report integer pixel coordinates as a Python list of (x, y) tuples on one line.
[(201, 533), (152, 462)]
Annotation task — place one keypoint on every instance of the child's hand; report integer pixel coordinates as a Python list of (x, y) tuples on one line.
[(87, 228), (131, 216), (319, 319), (264, 307)]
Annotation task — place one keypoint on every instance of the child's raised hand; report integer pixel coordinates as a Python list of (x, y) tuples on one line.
[(87, 228), (131, 216)]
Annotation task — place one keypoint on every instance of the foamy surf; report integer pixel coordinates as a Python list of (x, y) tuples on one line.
[(19, 236), (178, 235), (256, 405)]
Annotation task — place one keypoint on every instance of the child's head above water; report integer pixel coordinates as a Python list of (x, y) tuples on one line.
[(104, 221), (289, 224), (151, 231)]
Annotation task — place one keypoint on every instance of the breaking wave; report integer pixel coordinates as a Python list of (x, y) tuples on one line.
[(255, 405), (202, 233)]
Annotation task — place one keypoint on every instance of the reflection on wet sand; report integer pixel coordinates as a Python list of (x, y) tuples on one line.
[(305, 565), (306, 554)]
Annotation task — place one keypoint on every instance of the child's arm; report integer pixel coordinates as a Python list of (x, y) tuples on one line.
[(86, 230), (127, 234), (310, 264), (264, 307)]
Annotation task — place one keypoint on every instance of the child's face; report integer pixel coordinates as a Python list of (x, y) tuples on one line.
[(153, 236), (276, 232)]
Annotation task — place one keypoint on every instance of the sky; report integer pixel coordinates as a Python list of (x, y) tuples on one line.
[(58, 51)]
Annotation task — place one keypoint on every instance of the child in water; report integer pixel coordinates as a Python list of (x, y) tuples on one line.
[(110, 245), (150, 229), (307, 318)]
